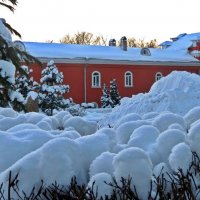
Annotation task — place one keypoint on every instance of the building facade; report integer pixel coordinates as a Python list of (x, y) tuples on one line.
[(87, 68)]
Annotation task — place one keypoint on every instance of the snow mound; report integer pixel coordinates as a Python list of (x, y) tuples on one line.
[(8, 112), (100, 187), (127, 118), (25, 141), (9, 122), (181, 157), (164, 120), (194, 138), (82, 126), (143, 137), (164, 95), (111, 135), (96, 167), (21, 127), (192, 115), (126, 129), (167, 140), (125, 166), (64, 152)]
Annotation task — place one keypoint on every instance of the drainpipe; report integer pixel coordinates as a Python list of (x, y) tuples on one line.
[(85, 80)]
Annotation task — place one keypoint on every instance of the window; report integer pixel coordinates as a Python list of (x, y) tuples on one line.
[(145, 52), (96, 79), (128, 79), (158, 76)]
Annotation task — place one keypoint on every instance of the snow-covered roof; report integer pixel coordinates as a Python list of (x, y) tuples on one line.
[(177, 52), (166, 43), (179, 36)]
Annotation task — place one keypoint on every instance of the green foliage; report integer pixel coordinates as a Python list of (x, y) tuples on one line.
[(24, 83), (106, 101), (114, 93), (5, 88), (10, 4), (9, 94)]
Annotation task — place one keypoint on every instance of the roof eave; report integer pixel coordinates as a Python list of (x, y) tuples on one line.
[(123, 62)]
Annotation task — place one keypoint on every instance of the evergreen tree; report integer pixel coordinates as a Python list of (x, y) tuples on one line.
[(114, 93), (24, 83), (8, 95), (9, 4), (10, 60), (106, 101), (52, 91)]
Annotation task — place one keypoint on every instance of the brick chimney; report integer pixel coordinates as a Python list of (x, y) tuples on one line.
[(123, 43), (112, 42)]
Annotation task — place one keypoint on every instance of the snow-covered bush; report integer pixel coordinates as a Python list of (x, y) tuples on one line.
[(114, 93), (99, 186), (76, 110), (8, 95), (97, 167), (141, 173), (180, 157), (164, 120), (82, 126), (106, 101), (89, 105), (24, 83)]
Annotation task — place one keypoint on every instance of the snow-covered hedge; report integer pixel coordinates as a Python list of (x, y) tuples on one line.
[(136, 149)]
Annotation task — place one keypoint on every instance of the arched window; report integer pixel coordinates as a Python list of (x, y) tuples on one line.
[(158, 76), (145, 52), (128, 79), (96, 79)]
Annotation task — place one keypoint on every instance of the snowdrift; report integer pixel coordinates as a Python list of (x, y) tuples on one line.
[(178, 93)]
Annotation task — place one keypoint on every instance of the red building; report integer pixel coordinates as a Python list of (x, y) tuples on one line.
[(86, 68)]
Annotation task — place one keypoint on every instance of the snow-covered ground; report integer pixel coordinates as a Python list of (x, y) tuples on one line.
[(149, 131)]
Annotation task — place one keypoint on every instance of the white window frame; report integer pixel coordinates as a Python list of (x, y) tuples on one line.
[(96, 79), (128, 79), (158, 76)]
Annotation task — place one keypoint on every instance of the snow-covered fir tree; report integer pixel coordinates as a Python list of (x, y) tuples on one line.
[(10, 60), (114, 93), (24, 83), (106, 101), (8, 95), (51, 94)]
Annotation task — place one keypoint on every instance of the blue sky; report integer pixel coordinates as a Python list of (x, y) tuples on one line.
[(42, 20)]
